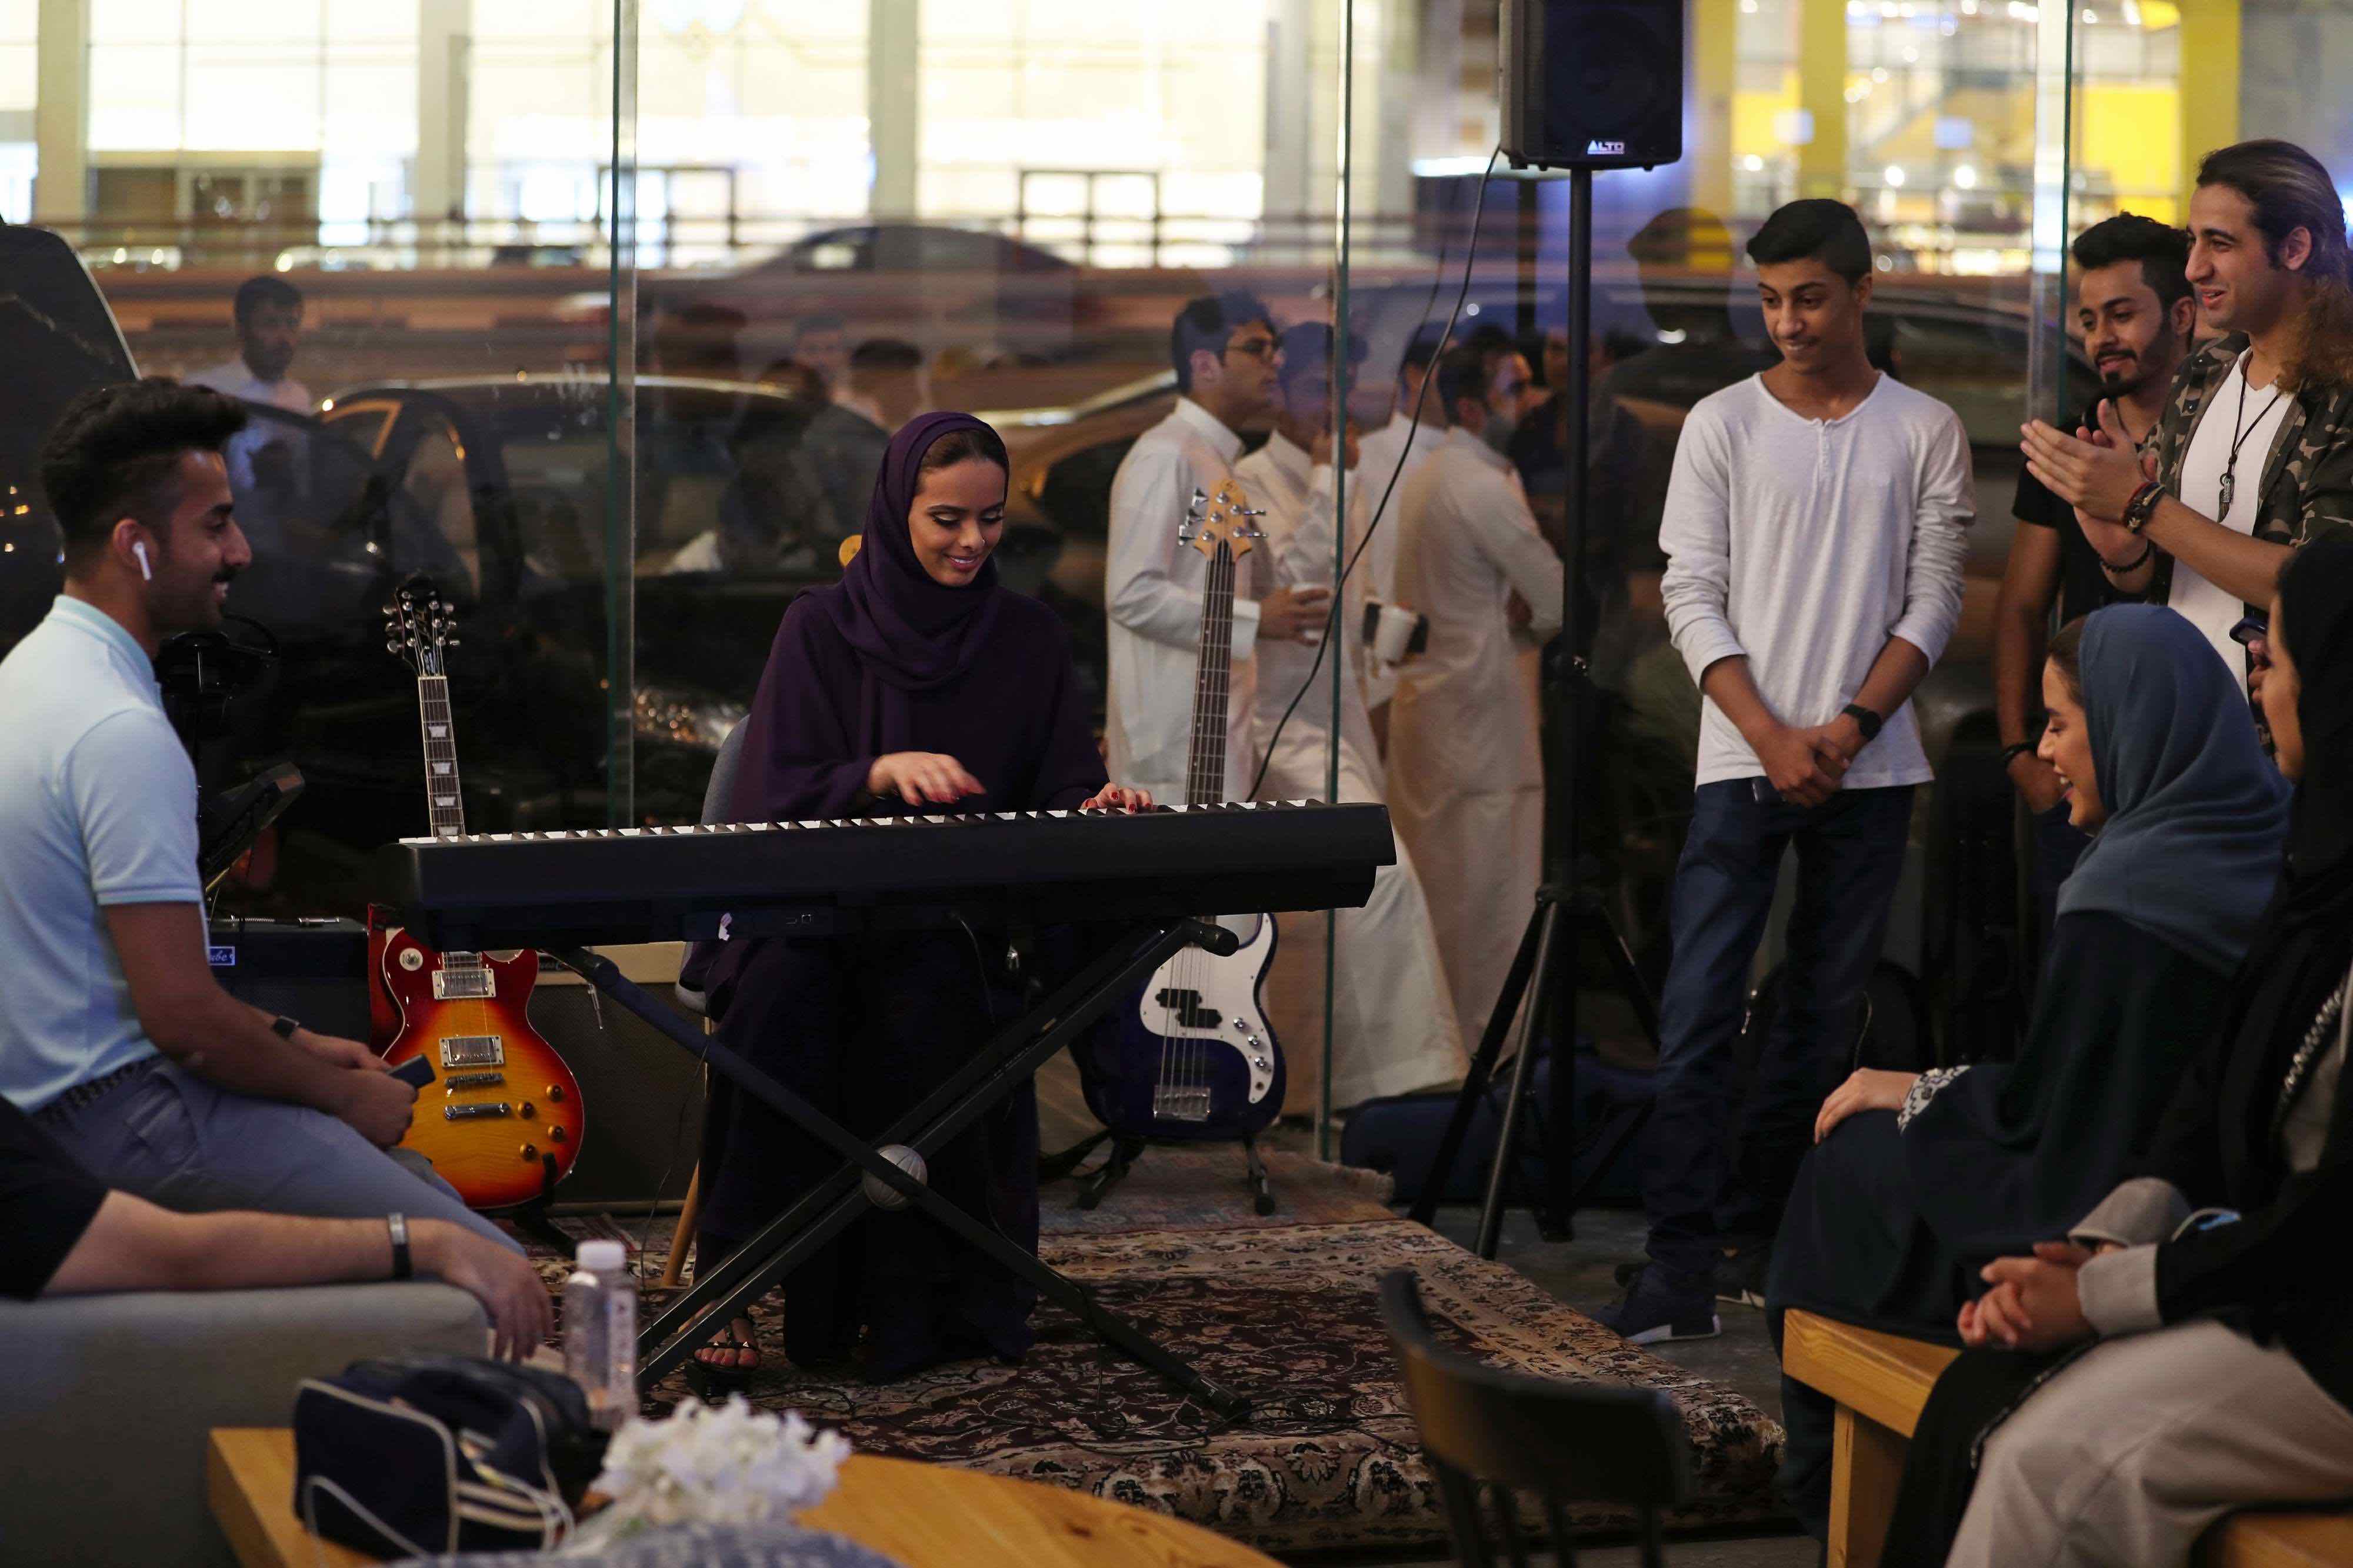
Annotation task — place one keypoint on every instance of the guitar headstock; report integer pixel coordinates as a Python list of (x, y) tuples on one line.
[(420, 629), (1224, 518)]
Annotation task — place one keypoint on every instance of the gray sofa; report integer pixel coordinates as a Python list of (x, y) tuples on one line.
[(105, 1402)]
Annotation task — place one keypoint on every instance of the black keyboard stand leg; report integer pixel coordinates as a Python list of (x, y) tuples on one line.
[(1112, 1171), (1008, 1060), (1262, 1189)]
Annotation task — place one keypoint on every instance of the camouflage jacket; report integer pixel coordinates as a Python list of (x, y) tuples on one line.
[(2307, 475)]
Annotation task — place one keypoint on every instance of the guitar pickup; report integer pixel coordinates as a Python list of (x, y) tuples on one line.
[(473, 1079), (468, 985), (474, 1051), (476, 1112)]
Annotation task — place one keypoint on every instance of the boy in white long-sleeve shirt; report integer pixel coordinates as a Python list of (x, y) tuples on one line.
[(1815, 529)]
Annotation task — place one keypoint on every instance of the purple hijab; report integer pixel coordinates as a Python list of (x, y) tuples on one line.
[(911, 632), (888, 661)]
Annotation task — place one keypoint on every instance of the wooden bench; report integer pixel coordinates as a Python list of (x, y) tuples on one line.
[(1880, 1381)]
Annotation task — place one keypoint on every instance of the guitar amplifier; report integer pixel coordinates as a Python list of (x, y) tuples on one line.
[(314, 970)]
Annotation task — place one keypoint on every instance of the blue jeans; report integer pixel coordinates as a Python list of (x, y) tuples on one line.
[(1850, 854)]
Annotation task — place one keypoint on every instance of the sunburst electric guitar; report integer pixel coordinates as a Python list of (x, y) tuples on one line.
[(502, 1121), (1196, 1059)]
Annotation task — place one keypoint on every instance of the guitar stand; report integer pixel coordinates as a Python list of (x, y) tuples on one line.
[(530, 1216), (1010, 1060), (1124, 1151)]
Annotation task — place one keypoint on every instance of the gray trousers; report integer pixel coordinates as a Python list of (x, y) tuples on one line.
[(183, 1142), (2124, 1458)]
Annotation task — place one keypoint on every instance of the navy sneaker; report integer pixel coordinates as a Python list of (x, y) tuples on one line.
[(1656, 1308), (1740, 1277)]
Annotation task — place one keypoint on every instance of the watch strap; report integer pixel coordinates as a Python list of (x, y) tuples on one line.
[(403, 1267), (2015, 751), (1865, 720), (284, 1027)]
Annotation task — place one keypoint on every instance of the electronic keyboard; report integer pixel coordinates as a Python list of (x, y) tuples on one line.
[(479, 892)]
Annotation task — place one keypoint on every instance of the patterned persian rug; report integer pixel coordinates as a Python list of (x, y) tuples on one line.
[(1283, 1310)]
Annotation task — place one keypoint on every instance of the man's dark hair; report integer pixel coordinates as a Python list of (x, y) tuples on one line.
[(1816, 228), (1307, 350), (2162, 250), (886, 353), (1464, 370), (1207, 325), (269, 288), (1418, 352), (115, 451)]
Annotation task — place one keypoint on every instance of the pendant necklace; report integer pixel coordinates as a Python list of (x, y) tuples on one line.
[(2239, 431)]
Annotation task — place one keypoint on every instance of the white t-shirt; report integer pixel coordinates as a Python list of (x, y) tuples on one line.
[(2256, 415), (236, 379), (98, 807), (1805, 544)]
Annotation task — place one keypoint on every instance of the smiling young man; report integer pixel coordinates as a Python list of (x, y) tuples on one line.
[(1814, 526), (114, 1035), (2134, 309), (2254, 451)]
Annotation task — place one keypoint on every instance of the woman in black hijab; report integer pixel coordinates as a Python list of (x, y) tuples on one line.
[(2218, 1282), (916, 683), (1909, 1194)]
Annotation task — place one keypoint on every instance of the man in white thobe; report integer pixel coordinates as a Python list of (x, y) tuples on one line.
[(1389, 456), (267, 311), (1393, 1024), (1224, 352), (1466, 764)]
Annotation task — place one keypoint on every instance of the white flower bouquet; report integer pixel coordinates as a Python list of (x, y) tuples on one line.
[(728, 1465)]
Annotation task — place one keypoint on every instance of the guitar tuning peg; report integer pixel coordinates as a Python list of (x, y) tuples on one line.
[(450, 642)]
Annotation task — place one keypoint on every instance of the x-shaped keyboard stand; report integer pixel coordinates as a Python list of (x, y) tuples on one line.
[(1011, 1058)]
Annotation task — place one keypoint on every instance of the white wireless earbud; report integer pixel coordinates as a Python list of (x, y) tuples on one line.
[(139, 549)]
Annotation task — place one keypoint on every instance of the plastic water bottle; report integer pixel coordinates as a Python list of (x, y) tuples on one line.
[(600, 1332)]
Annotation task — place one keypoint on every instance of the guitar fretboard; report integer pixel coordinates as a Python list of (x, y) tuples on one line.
[(445, 810), (1205, 763)]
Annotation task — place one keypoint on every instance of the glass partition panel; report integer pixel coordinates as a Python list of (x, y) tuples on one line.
[(381, 227)]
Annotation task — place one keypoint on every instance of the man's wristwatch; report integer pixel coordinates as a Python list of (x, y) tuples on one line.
[(284, 1027), (2015, 751), (1865, 720), (402, 1268)]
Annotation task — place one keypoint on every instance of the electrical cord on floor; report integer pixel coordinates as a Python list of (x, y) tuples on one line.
[(1333, 624)]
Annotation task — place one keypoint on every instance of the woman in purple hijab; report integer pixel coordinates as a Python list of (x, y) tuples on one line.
[(915, 684)]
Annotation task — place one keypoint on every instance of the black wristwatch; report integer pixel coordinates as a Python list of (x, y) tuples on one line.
[(2015, 751), (402, 1268), (1865, 720), (284, 1027)]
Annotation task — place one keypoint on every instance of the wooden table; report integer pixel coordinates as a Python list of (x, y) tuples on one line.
[(925, 1516)]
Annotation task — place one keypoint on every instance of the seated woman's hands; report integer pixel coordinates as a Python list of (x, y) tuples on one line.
[(2034, 1304), (1119, 797), (1866, 1089), (919, 778)]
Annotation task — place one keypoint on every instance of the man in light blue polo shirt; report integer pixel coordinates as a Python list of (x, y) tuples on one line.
[(114, 1033)]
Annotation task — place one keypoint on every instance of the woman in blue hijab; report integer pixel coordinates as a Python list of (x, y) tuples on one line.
[(1917, 1181), (916, 684)]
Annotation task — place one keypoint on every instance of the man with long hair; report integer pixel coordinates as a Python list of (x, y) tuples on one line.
[(2253, 454)]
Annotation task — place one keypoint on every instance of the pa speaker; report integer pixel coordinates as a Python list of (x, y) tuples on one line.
[(1592, 84)]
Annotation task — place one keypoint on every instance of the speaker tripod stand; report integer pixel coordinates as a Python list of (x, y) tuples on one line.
[(1566, 909)]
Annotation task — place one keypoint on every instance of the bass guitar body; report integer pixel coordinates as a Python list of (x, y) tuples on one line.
[(501, 1120), (1194, 1058)]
